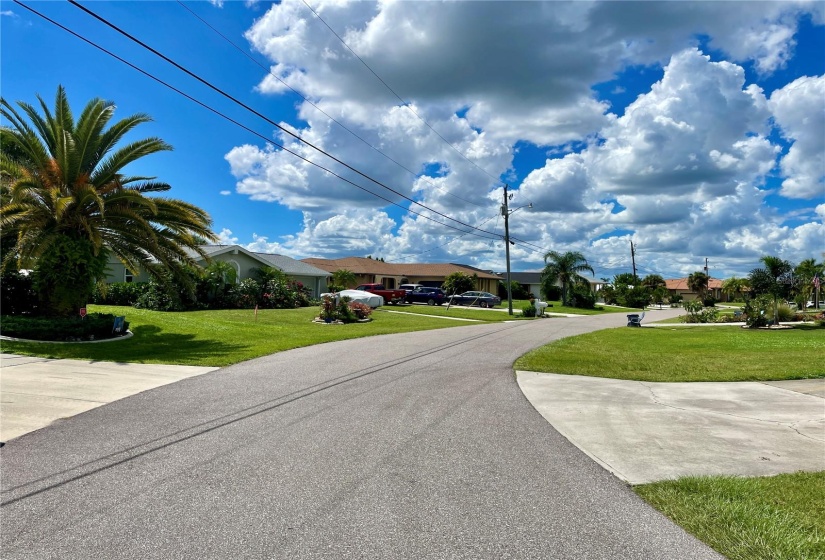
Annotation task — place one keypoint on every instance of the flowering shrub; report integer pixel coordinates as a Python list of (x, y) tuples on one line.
[(343, 310), (361, 310), (328, 309)]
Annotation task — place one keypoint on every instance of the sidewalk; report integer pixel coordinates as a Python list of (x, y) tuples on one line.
[(645, 432), (34, 392)]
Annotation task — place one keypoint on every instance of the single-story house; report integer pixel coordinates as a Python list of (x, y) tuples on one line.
[(531, 281), (392, 275), (678, 286), (243, 261)]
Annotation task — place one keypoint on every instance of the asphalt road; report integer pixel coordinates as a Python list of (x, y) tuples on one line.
[(418, 445)]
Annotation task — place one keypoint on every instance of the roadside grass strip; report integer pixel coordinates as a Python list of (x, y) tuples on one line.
[(559, 308), (679, 354), (487, 315), (778, 517), (225, 337)]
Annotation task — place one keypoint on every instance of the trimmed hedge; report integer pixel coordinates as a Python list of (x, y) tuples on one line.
[(95, 326), (120, 293)]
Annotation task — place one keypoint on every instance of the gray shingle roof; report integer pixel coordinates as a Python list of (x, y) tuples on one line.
[(291, 266), (284, 263)]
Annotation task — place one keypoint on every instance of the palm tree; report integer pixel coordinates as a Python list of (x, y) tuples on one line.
[(653, 281), (565, 268), (697, 283), (805, 272), (734, 286), (772, 279), (219, 274), (344, 278), (68, 204)]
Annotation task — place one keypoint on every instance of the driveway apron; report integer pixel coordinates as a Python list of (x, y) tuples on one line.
[(416, 445)]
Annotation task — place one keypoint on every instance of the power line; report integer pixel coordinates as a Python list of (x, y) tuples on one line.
[(264, 117), (404, 103), (330, 117), (472, 229), (233, 121), (450, 241)]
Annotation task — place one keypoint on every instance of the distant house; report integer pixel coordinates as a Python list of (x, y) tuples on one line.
[(531, 281), (243, 261), (392, 275), (678, 286)]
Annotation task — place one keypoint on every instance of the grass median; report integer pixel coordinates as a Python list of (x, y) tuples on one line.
[(221, 338), (748, 518), (685, 354)]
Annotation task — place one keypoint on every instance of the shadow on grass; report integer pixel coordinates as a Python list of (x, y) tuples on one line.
[(149, 344)]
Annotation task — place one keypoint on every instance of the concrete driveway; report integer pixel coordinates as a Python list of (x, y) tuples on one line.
[(644, 432), (34, 392)]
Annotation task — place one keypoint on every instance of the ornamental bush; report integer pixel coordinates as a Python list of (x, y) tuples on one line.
[(157, 297), (582, 297), (362, 310), (698, 313), (119, 293), (785, 313), (528, 311), (757, 311)]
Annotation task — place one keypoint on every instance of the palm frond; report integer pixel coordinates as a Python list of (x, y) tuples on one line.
[(63, 119), (92, 121), (115, 133), (112, 165), (150, 187)]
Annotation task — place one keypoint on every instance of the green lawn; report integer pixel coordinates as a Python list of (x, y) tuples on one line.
[(220, 338), (778, 517), (685, 354), (459, 312)]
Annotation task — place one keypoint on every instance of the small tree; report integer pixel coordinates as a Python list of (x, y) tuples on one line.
[(344, 278), (653, 281), (660, 294), (218, 275), (457, 283)]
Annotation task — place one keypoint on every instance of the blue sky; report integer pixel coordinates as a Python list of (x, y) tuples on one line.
[(695, 129)]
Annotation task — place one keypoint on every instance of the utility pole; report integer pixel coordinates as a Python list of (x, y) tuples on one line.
[(706, 267), (505, 211), (633, 258)]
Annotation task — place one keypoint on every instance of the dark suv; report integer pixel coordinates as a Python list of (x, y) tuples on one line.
[(430, 296)]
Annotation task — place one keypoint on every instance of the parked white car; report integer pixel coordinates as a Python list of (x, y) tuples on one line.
[(372, 300), (811, 304)]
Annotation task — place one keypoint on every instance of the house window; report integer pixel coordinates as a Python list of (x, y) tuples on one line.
[(237, 268), (127, 276)]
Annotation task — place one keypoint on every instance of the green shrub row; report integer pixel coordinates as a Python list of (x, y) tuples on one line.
[(278, 293), (95, 326)]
